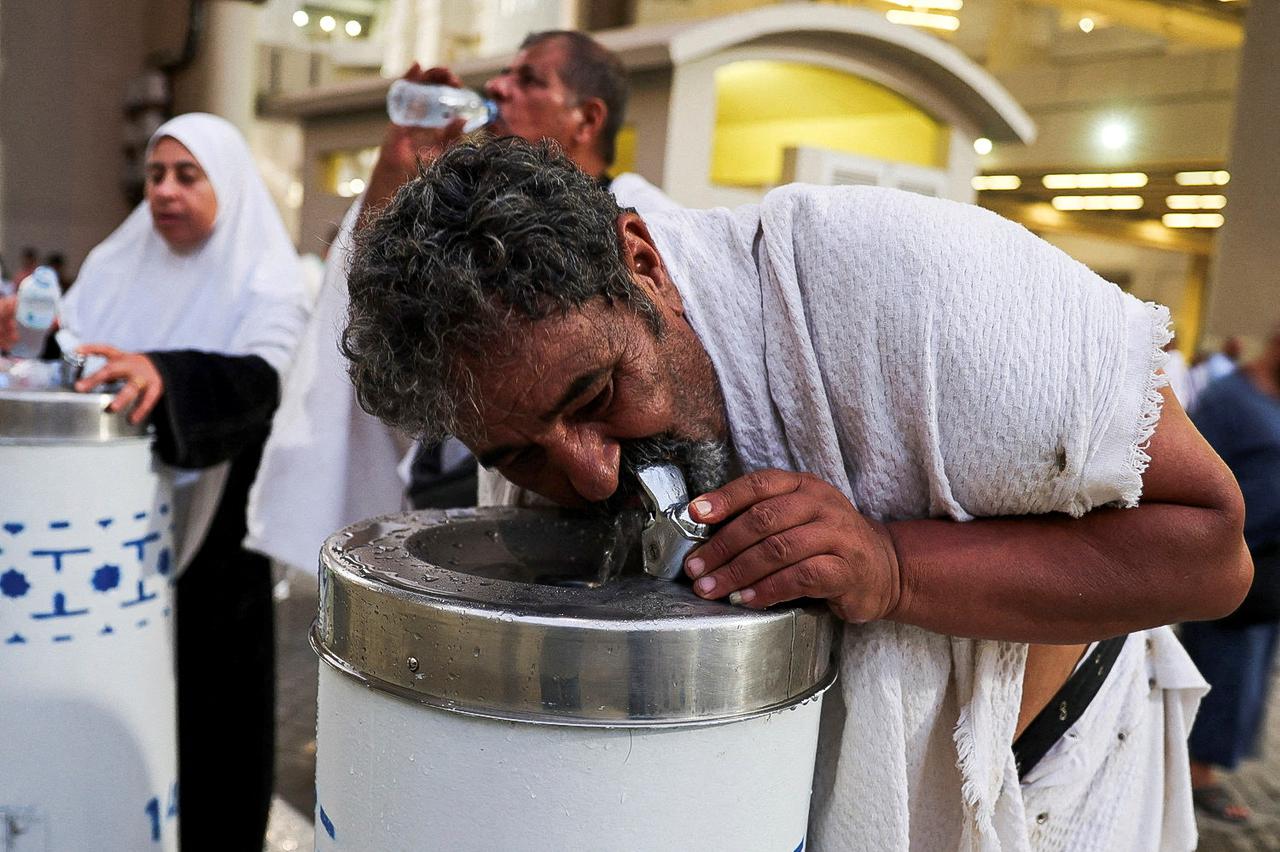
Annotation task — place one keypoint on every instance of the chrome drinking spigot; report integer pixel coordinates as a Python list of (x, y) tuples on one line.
[(670, 532), (71, 370)]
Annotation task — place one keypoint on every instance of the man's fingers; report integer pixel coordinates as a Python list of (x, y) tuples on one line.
[(814, 577), (749, 528), (777, 552), (728, 500), (441, 77)]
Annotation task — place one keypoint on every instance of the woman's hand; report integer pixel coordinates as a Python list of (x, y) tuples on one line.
[(8, 322), (143, 386), (791, 535)]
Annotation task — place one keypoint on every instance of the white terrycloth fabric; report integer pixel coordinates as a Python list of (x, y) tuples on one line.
[(930, 359), (1119, 778), (327, 463), (240, 293)]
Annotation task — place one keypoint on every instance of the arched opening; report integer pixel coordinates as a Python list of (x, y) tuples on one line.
[(766, 106)]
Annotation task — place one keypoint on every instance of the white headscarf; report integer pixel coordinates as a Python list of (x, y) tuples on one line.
[(240, 293)]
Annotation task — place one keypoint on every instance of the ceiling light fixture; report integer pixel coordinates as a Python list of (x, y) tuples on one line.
[(1218, 178), (995, 182), (1097, 202), (1196, 202), (1111, 180), (928, 20), (936, 5), (1192, 220), (1113, 135)]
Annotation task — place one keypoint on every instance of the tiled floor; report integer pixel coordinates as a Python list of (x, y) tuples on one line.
[(1257, 783)]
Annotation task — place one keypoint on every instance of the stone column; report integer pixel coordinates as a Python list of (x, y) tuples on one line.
[(222, 79), (1242, 299)]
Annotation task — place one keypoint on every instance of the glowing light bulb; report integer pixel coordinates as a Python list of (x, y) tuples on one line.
[(1086, 25), (327, 23), (301, 18), (982, 145), (1113, 135), (353, 28)]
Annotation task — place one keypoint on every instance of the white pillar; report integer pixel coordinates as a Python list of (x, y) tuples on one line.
[(1242, 296), (222, 79)]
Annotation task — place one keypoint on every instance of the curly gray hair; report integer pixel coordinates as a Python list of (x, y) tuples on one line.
[(492, 231)]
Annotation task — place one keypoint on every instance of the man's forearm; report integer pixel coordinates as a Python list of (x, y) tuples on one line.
[(1056, 579), (385, 179)]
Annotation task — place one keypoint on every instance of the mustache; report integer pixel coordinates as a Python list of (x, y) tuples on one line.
[(704, 463)]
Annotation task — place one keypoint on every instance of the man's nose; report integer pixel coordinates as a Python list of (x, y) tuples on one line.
[(589, 461), (497, 88)]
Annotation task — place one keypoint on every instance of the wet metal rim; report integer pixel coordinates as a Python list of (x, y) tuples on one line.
[(546, 719), (525, 615)]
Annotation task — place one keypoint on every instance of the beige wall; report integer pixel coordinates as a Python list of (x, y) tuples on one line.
[(65, 67), (1242, 298)]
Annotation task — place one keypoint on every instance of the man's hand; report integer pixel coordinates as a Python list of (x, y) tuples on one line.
[(143, 386), (403, 147), (791, 535), (8, 322)]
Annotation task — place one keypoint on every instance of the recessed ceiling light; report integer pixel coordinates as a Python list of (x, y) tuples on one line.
[(1113, 135)]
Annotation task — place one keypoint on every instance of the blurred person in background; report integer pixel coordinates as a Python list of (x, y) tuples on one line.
[(1210, 367), (8, 310), (7, 287), (8, 322), (28, 265), (57, 261), (196, 303), (1239, 415), (324, 452)]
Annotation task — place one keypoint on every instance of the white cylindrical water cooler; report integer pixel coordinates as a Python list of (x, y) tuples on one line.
[(490, 686), (87, 716)]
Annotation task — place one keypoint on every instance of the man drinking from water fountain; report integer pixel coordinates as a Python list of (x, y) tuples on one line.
[(913, 409)]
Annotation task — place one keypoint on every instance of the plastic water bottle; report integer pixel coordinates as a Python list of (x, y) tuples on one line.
[(38, 298), (429, 105)]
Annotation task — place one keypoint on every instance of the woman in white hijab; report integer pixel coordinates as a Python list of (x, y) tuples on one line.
[(196, 302)]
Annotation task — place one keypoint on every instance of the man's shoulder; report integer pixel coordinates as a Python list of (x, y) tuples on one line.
[(631, 190)]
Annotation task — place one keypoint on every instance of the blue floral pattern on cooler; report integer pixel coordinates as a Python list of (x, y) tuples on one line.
[(73, 577)]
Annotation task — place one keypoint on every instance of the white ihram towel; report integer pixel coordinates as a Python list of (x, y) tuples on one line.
[(930, 359)]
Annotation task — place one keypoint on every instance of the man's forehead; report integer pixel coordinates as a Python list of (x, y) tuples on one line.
[(525, 371), (546, 57)]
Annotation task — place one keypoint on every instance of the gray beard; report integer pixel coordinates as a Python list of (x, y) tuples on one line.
[(705, 464)]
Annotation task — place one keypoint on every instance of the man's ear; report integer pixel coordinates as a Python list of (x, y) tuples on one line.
[(587, 133), (640, 256)]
